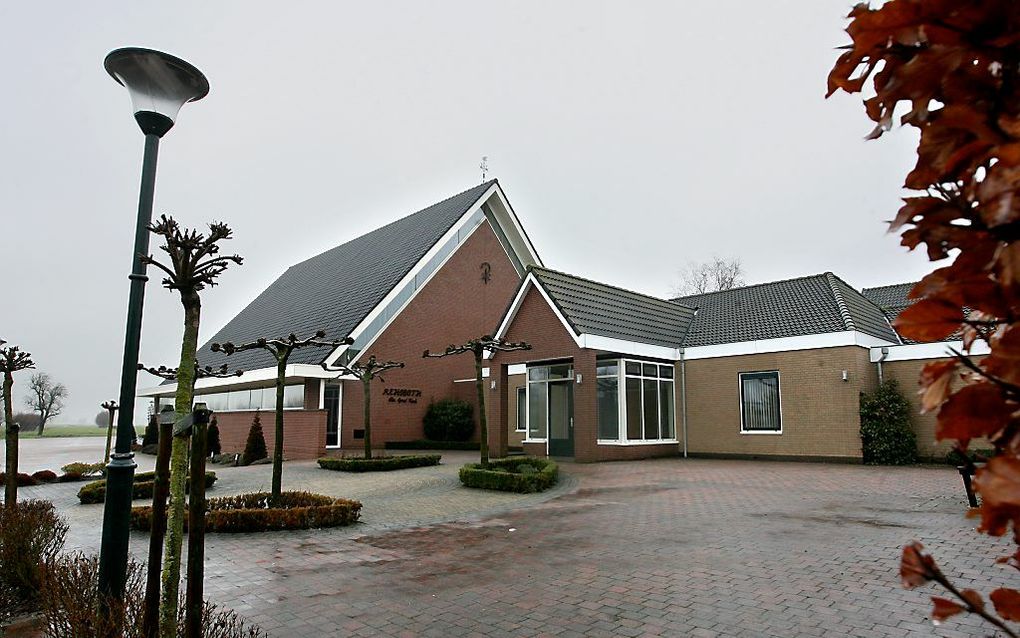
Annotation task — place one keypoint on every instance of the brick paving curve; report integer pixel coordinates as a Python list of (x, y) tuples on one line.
[(665, 547)]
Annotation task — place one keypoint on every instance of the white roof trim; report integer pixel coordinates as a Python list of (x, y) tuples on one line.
[(294, 371), (915, 351), (516, 235), (530, 282), (785, 344), (624, 346)]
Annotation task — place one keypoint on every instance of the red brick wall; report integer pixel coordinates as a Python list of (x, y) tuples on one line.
[(537, 324), (454, 306)]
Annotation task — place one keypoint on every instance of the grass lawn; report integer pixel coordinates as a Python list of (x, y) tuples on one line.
[(65, 430)]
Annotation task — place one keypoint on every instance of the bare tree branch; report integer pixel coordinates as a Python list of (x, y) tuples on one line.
[(710, 276)]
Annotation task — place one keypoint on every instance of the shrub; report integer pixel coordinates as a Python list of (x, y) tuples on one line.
[(255, 446), (886, 435), (45, 476), (425, 444), (956, 459), (71, 605), (212, 441), (144, 485), (151, 434), (378, 464), (449, 420), (520, 474), (24, 480), (251, 513), (31, 536), (84, 469)]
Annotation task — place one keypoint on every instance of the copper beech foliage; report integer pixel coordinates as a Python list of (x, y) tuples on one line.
[(949, 68)]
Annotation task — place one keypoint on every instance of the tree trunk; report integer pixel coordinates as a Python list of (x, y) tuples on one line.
[(178, 470), (160, 490), (367, 383), (483, 431), (11, 483), (281, 374), (42, 423), (196, 536)]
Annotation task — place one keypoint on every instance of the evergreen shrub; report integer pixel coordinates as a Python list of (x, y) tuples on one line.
[(886, 435), (449, 420)]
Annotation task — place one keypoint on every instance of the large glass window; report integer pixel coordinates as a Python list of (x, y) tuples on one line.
[(538, 410), (759, 402), (608, 390), (254, 399), (647, 394)]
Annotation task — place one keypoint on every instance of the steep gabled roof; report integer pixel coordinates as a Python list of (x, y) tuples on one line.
[(816, 304), (599, 309), (336, 290)]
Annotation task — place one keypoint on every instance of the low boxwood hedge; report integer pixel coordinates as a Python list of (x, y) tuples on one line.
[(24, 480), (380, 464), (251, 513), (427, 444), (518, 474), (95, 492)]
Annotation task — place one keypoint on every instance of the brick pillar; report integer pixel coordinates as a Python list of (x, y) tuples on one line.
[(585, 407), (496, 412)]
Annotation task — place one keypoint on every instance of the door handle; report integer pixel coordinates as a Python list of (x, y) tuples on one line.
[(571, 423)]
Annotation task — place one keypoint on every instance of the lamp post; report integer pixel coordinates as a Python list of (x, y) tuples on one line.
[(159, 85)]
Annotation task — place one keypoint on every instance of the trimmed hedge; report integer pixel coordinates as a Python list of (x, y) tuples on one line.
[(45, 476), (95, 492), (251, 513), (380, 464), (426, 444), (519, 474), (24, 480), (84, 469)]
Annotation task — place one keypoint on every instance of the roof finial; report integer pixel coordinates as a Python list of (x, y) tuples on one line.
[(484, 166)]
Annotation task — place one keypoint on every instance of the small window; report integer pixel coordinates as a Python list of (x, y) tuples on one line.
[(633, 368), (522, 409), (759, 402), (607, 369)]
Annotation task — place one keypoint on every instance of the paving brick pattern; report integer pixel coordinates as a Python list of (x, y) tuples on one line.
[(648, 548)]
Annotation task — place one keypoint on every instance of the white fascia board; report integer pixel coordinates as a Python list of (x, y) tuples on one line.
[(294, 371), (516, 368), (634, 348), (508, 218), (785, 344), (915, 351)]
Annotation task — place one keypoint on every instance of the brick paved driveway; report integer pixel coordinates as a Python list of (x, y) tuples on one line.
[(648, 548)]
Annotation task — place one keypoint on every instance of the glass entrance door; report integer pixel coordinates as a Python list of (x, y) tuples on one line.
[(561, 418)]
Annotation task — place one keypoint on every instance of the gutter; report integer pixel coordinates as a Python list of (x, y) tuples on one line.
[(683, 397), (885, 353)]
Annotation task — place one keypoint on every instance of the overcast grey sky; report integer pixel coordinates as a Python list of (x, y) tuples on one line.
[(630, 138)]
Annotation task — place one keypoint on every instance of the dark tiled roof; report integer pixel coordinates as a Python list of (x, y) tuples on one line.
[(816, 304), (335, 290), (598, 309), (891, 299)]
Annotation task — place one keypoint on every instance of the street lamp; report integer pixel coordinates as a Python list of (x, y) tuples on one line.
[(159, 84)]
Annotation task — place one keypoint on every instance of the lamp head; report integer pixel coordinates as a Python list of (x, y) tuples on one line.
[(159, 85)]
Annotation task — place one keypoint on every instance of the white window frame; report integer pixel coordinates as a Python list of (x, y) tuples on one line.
[(622, 377), (740, 399)]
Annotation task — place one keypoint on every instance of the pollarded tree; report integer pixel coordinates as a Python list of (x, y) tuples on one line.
[(366, 373), (955, 67), (478, 348), (109, 412), (281, 350), (46, 397), (195, 263), (160, 490), (12, 360)]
